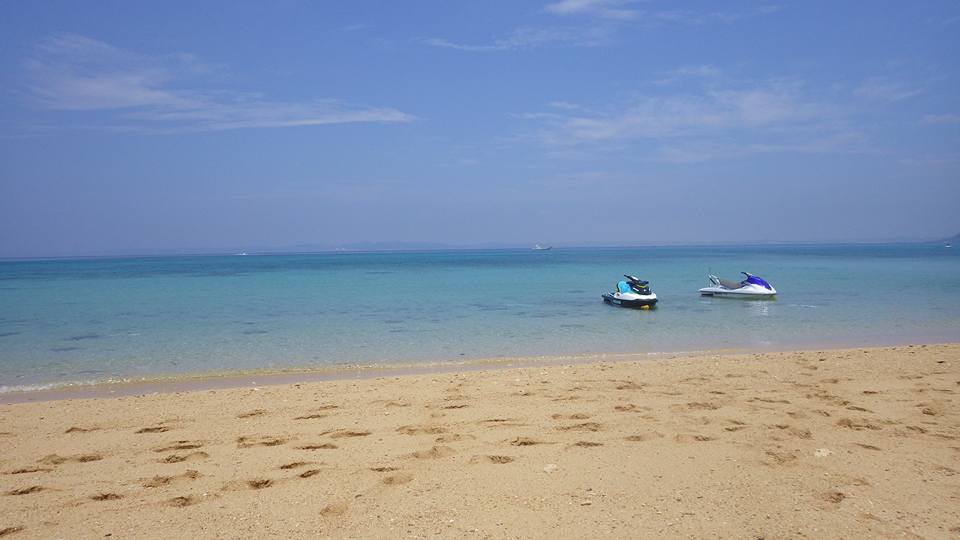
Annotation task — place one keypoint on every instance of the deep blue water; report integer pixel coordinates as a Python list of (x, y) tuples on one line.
[(96, 319)]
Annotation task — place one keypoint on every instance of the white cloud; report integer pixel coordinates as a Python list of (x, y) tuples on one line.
[(711, 123), (703, 71), (608, 17), (565, 105), (696, 18), (877, 89), (153, 94), (941, 118), (608, 9), (531, 38)]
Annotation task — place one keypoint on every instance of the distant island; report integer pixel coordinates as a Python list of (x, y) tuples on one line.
[(952, 240)]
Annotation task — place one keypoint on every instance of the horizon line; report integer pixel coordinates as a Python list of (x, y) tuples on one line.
[(443, 248)]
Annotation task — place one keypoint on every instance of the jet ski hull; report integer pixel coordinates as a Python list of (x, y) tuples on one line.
[(756, 293), (635, 301)]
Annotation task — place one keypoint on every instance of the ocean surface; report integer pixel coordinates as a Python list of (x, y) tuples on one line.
[(84, 320)]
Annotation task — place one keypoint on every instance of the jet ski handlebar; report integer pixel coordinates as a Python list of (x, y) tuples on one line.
[(636, 280)]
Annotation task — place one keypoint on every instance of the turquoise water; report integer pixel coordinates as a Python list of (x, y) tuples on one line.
[(96, 319)]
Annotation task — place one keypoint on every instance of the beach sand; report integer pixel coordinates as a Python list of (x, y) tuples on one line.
[(832, 444)]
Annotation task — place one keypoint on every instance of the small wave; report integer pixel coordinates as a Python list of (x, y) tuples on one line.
[(6, 389)]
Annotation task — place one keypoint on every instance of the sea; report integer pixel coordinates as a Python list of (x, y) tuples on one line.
[(81, 321)]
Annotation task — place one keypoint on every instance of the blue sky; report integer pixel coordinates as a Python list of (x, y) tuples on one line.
[(178, 126)]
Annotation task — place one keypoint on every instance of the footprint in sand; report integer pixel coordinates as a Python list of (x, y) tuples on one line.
[(179, 445), (183, 500), (688, 438), (833, 496), (434, 452), (341, 433), (26, 490), (857, 425), (153, 429), (179, 458), (501, 422), (931, 409), (394, 403), (318, 446), (768, 400), (106, 497), (314, 416), (27, 470), (333, 510), (800, 433), (779, 457), (10, 530), (867, 446), (701, 406), (585, 444), (642, 437), (421, 430), (308, 473), (397, 479), (496, 460), (578, 416), (383, 469), (858, 409), (78, 429), (295, 465), (248, 442), (160, 481), (630, 407), (259, 483), (585, 426), (452, 437), (253, 413), (240, 485), (54, 459), (525, 441)]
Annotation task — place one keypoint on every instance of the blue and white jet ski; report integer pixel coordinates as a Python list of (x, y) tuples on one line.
[(633, 293), (752, 287)]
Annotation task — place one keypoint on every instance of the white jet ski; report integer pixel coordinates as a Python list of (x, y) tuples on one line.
[(752, 287), (632, 293)]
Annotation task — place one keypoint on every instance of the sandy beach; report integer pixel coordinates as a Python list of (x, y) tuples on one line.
[(816, 444)]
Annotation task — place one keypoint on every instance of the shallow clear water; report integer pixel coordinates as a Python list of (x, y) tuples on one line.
[(93, 319)]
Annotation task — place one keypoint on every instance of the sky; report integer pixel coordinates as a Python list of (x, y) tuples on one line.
[(164, 127)]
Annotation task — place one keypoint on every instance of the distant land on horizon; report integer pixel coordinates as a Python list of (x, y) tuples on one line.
[(385, 246)]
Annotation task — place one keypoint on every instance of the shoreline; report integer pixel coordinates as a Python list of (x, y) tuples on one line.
[(241, 378), (842, 443), (248, 378)]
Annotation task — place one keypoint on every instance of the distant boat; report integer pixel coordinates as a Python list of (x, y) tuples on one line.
[(538, 247), (947, 245), (241, 253)]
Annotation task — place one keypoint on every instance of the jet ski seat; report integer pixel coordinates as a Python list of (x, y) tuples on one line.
[(623, 287), (729, 284)]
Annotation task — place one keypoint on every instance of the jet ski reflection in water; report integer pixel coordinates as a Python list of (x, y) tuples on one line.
[(752, 287), (632, 293)]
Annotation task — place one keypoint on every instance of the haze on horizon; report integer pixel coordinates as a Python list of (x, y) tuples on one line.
[(181, 126)]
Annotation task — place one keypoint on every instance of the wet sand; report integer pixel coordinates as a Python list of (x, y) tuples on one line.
[(831, 444)]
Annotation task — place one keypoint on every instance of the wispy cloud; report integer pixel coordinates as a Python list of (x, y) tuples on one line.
[(878, 89), (762, 117), (947, 118), (606, 18), (702, 71), (157, 94), (531, 38), (626, 10), (608, 9), (696, 18)]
